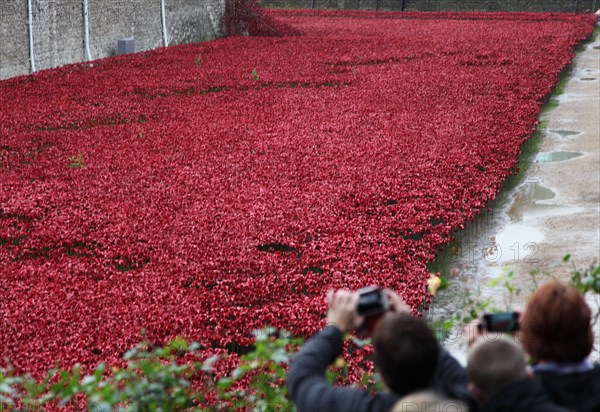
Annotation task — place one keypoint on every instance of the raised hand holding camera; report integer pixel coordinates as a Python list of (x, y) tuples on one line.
[(493, 323), (373, 303), (506, 322), (342, 310), (361, 309), (396, 303)]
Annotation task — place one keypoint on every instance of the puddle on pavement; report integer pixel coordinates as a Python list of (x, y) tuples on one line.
[(517, 242), (565, 134), (569, 97), (548, 157), (531, 192), (528, 203)]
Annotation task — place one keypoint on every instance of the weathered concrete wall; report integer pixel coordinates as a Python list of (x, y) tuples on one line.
[(58, 29), (14, 42), (57, 33)]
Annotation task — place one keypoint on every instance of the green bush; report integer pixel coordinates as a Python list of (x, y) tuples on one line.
[(165, 379)]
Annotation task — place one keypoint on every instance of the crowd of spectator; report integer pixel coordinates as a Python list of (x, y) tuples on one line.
[(543, 366)]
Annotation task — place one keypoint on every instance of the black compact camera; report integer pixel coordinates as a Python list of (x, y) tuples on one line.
[(500, 322), (372, 305), (372, 301)]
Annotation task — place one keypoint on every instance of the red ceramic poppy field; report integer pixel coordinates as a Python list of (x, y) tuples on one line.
[(210, 189)]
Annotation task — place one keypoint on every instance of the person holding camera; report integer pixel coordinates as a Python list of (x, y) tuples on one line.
[(556, 332), (405, 352)]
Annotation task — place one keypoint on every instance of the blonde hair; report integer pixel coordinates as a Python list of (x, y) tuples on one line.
[(428, 401)]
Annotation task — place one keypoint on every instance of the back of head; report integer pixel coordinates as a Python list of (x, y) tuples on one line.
[(425, 401), (493, 365), (405, 351), (556, 325)]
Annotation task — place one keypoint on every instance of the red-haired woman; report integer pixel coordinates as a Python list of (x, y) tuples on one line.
[(556, 332)]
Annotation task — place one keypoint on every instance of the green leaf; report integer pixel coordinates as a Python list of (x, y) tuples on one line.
[(280, 356), (207, 364), (14, 380), (5, 388), (46, 398), (130, 354), (224, 383), (566, 258), (6, 401), (262, 335), (100, 369), (178, 344), (443, 283), (88, 380), (100, 407), (237, 373), (361, 342), (494, 282)]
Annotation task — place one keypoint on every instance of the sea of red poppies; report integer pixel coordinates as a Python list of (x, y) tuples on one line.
[(209, 189)]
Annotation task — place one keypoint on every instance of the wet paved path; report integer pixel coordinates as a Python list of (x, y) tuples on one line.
[(554, 212)]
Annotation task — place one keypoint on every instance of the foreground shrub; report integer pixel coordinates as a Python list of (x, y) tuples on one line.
[(164, 379)]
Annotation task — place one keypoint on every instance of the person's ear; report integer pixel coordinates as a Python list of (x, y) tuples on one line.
[(481, 397)]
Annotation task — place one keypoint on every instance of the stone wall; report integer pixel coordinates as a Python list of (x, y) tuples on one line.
[(14, 42), (58, 29)]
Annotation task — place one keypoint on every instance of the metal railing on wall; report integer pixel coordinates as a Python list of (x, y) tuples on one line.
[(86, 30), (30, 32)]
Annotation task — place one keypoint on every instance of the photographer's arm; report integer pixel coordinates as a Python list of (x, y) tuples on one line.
[(306, 378), (310, 390)]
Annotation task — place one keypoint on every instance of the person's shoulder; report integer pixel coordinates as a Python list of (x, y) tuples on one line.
[(580, 390), (357, 400), (384, 401), (526, 395), (592, 372)]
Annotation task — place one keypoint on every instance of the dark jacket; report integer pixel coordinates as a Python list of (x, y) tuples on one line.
[(577, 390), (524, 396), (312, 393)]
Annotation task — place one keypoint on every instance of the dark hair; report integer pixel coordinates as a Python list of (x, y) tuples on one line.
[(405, 352), (556, 325)]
